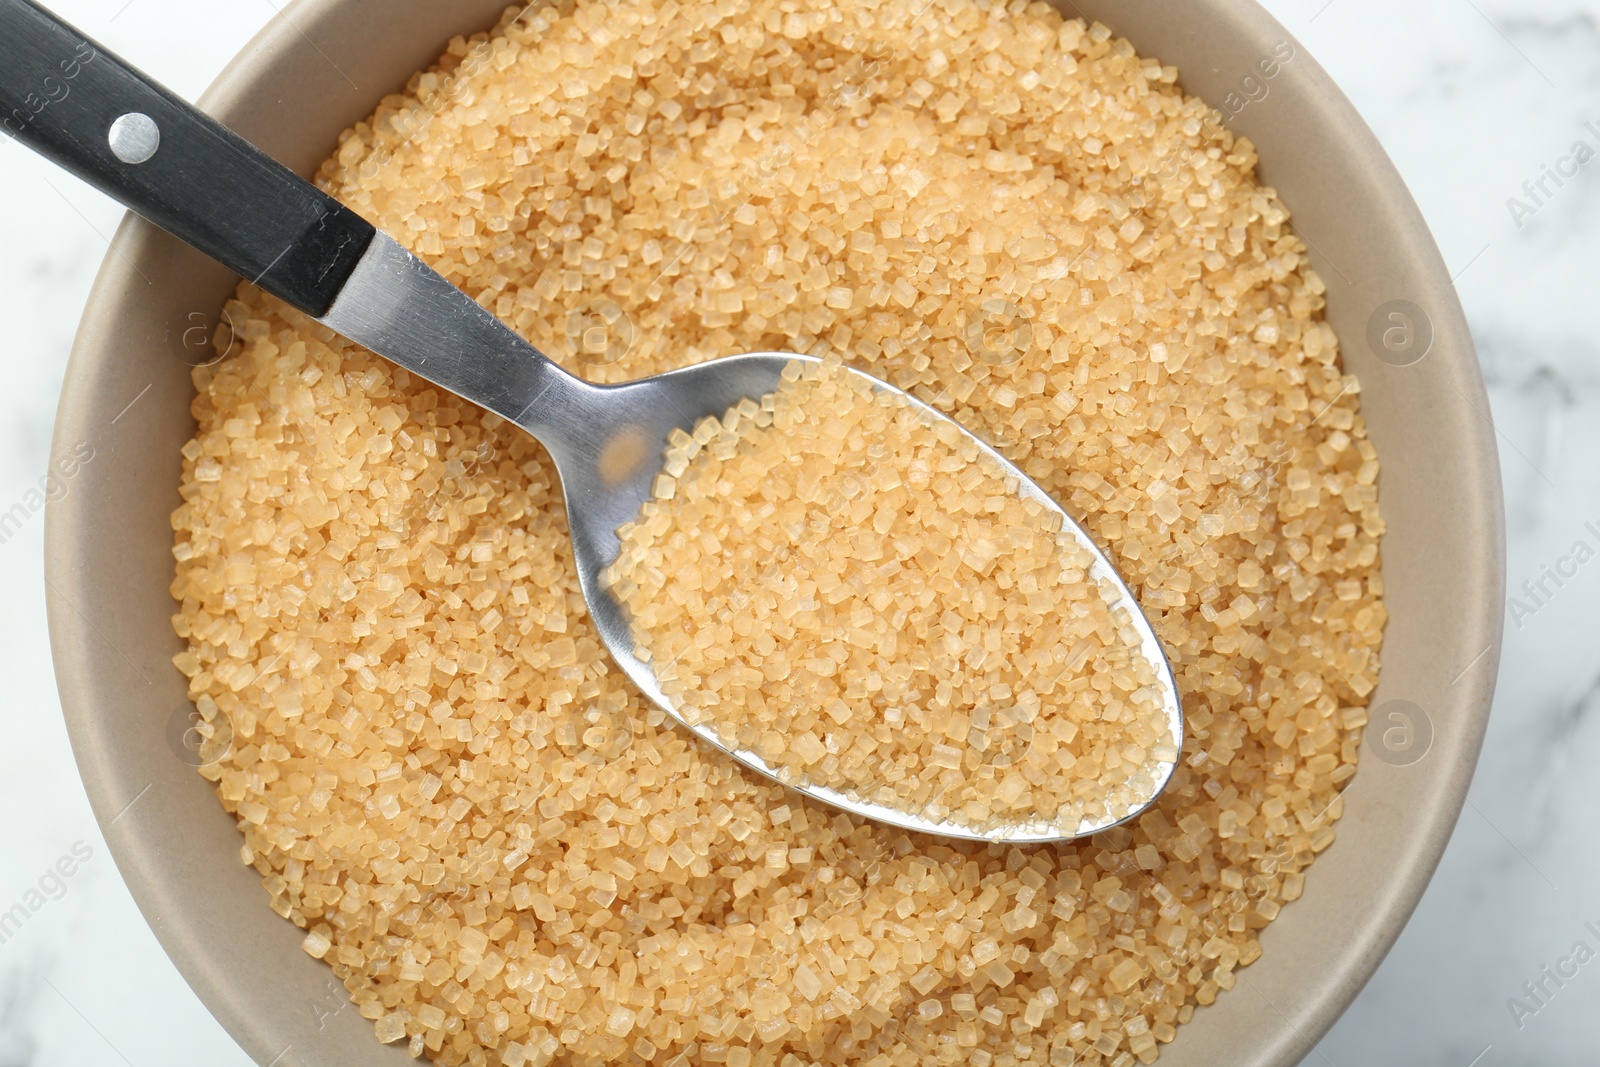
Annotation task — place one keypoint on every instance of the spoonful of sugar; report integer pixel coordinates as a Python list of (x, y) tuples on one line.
[(845, 589)]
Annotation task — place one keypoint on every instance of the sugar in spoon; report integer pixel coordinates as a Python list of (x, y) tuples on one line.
[(79, 105)]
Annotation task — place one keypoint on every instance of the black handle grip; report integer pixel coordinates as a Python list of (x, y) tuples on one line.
[(60, 94)]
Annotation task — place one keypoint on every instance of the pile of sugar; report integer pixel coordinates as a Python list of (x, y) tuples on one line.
[(856, 593), (499, 848)]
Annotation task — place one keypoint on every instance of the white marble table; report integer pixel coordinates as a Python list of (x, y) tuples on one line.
[(1472, 98)]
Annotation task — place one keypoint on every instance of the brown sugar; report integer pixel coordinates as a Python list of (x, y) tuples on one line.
[(510, 858)]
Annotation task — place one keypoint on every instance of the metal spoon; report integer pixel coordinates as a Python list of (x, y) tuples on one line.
[(79, 105)]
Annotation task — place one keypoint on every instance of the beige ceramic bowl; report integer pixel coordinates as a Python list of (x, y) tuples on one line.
[(324, 65)]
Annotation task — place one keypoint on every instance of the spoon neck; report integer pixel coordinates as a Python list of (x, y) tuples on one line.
[(559, 409)]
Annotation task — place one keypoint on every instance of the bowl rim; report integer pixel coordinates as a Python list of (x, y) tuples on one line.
[(157, 891)]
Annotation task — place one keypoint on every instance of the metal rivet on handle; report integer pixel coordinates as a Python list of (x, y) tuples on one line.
[(134, 137)]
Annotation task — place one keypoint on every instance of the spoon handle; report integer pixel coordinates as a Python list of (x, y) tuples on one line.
[(72, 101), (77, 104)]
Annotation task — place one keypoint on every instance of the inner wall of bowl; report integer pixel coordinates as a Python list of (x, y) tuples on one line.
[(109, 562)]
